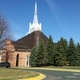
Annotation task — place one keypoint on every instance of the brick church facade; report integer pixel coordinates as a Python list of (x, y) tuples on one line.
[(18, 52)]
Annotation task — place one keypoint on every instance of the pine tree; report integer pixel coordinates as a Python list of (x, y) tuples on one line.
[(61, 53), (41, 54), (63, 48), (58, 59), (50, 51), (78, 54), (72, 55), (32, 58)]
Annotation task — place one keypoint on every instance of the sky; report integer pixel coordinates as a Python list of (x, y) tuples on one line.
[(59, 18)]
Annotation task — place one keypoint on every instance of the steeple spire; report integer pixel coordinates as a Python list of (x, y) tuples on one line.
[(35, 26), (35, 12), (35, 20)]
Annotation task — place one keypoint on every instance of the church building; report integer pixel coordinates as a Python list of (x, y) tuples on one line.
[(18, 52)]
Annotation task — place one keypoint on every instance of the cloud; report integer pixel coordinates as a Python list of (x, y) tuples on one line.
[(51, 5), (54, 10)]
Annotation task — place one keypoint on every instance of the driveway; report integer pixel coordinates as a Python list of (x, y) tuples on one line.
[(58, 75)]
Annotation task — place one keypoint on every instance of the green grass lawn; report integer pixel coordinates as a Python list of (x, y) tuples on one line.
[(14, 74)]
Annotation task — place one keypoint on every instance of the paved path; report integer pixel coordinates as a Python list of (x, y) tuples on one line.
[(58, 75)]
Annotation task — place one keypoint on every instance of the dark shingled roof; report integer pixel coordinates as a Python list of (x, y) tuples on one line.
[(19, 46), (30, 39), (27, 42)]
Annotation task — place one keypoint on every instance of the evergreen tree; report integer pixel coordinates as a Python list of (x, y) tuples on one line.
[(72, 55), (78, 54), (41, 54), (50, 51), (63, 48), (32, 58), (60, 57)]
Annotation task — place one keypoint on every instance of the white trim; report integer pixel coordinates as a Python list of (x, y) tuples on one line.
[(28, 61), (35, 26)]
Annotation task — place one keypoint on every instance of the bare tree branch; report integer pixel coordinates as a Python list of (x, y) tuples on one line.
[(4, 31)]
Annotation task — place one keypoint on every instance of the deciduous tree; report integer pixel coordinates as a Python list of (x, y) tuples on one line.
[(4, 31)]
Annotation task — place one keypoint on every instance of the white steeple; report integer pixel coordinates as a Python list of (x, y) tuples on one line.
[(35, 20), (35, 26)]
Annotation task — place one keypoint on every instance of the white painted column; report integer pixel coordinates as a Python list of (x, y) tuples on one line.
[(0, 58), (28, 61)]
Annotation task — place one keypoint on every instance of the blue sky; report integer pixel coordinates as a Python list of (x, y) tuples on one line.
[(59, 18)]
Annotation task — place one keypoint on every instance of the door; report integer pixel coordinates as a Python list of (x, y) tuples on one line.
[(17, 59)]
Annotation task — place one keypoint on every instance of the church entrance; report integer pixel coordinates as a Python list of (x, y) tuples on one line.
[(17, 59)]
